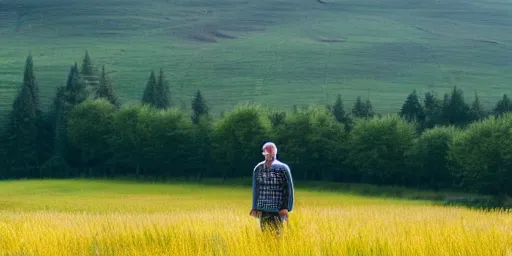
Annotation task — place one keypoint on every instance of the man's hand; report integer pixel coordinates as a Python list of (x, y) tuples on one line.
[(255, 213), (283, 212)]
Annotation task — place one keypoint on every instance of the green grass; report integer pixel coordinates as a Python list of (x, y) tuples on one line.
[(276, 57)]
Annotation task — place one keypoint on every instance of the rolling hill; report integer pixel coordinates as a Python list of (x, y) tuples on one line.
[(278, 53)]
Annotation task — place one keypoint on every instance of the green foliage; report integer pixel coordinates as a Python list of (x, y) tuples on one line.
[(163, 101), (68, 96), (312, 141), (432, 109), (24, 131), (199, 107), (428, 158), (156, 93), (477, 111), (378, 148), (455, 110), (503, 106), (105, 90), (90, 126), (237, 139), (170, 137), (362, 109), (342, 116), (87, 68), (483, 155), (412, 110), (131, 137)]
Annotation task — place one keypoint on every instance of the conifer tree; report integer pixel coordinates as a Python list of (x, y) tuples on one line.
[(432, 110), (411, 110), (477, 110), (68, 96), (150, 92), (503, 106), (455, 110), (24, 126), (87, 68), (199, 107), (163, 101), (363, 109), (105, 89)]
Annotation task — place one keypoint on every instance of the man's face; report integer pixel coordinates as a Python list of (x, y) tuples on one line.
[(269, 153)]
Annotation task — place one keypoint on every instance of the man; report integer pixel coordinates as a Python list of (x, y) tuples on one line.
[(272, 190)]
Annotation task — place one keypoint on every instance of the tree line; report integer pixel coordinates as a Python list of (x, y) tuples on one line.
[(432, 143)]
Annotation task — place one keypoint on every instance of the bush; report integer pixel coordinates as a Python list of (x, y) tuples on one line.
[(428, 158), (378, 148), (483, 156)]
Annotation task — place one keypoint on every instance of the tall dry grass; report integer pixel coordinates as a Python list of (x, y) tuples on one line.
[(218, 224)]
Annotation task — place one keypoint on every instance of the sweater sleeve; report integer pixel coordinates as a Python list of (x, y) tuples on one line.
[(254, 189), (290, 190)]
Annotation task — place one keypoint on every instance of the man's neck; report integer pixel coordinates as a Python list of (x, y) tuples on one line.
[(269, 162)]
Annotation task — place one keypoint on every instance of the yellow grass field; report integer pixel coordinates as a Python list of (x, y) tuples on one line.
[(127, 218)]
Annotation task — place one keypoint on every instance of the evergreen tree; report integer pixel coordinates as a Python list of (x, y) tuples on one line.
[(163, 101), (363, 109), (88, 72), (24, 128), (105, 89), (503, 106), (477, 111), (411, 110), (68, 96), (455, 110), (338, 110), (199, 107), (432, 110), (156, 93), (150, 92), (87, 68), (30, 81)]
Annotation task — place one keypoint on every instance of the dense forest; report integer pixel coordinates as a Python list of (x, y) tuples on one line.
[(432, 142)]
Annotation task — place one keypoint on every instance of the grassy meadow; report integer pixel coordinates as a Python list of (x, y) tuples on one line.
[(277, 53), (86, 217)]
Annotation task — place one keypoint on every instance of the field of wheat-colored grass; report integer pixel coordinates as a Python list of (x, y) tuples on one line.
[(117, 218)]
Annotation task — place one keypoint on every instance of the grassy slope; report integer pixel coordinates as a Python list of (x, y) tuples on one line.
[(276, 57), (113, 218)]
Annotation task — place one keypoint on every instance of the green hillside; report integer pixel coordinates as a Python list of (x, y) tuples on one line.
[(278, 53)]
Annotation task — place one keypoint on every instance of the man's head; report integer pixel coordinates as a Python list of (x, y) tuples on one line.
[(269, 150)]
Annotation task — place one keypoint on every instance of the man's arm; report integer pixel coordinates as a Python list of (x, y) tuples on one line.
[(290, 190), (254, 188)]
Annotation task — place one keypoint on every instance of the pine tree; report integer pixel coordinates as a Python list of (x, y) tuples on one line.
[(477, 111), (105, 89), (363, 109), (455, 110), (24, 128), (338, 110), (432, 110), (87, 68), (411, 110), (150, 92), (199, 107), (163, 101), (503, 106), (156, 93), (68, 96), (30, 81), (89, 73)]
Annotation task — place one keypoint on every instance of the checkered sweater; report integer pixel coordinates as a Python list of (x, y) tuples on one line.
[(272, 187)]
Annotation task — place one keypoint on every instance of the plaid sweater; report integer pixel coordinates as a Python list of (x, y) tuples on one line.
[(272, 187)]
